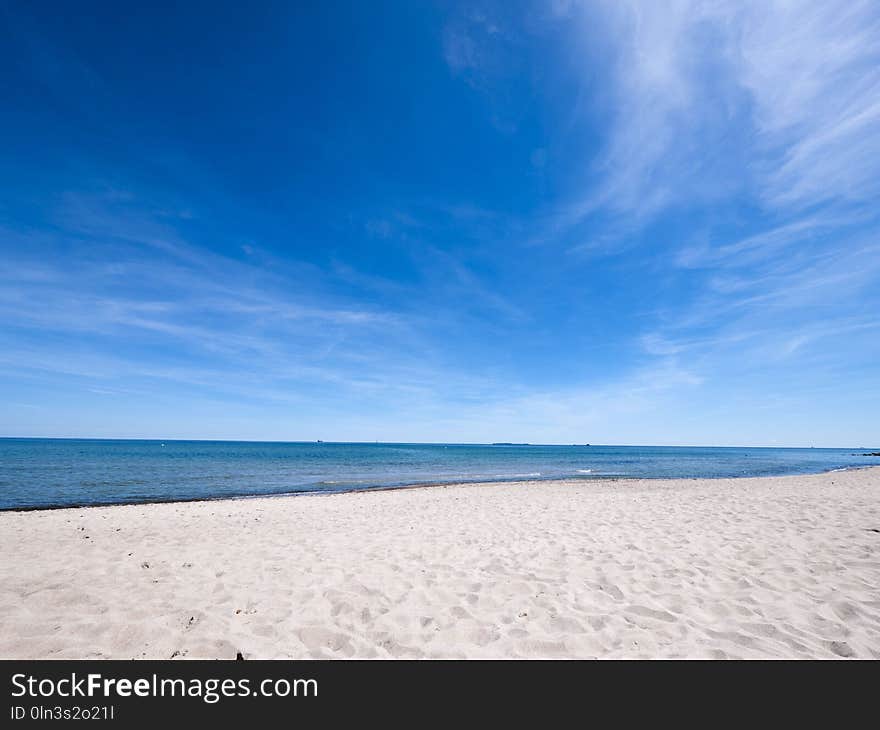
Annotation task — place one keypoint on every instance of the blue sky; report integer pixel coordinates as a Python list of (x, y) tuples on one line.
[(605, 222)]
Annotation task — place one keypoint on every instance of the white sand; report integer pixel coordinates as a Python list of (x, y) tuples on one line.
[(782, 567)]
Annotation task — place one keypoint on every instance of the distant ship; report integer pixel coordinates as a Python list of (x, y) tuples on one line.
[(507, 443)]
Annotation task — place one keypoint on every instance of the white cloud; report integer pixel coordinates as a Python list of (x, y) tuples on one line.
[(813, 72), (777, 100)]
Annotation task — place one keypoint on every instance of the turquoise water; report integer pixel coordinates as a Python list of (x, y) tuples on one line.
[(37, 473)]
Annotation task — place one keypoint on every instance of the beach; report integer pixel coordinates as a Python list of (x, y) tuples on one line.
[(770, 567)]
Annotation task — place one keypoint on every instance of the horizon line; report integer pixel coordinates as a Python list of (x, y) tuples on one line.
[(421, 443)]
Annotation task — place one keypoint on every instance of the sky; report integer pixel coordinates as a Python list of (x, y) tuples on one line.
[(547, 222)]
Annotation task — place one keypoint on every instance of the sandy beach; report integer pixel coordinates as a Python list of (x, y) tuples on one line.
[(759, 567)]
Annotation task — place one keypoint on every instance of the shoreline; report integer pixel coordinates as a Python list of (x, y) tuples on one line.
[(764, 567), (597, 478)]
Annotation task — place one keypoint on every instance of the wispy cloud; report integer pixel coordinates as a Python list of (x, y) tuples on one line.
[(777, 101), (763, 120), (467, 39), (812, 70), (117, 298)]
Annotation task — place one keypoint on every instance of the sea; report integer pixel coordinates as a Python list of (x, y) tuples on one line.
[(49, 473)]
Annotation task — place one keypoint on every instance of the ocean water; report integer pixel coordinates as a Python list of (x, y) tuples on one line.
[(40, 473)]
